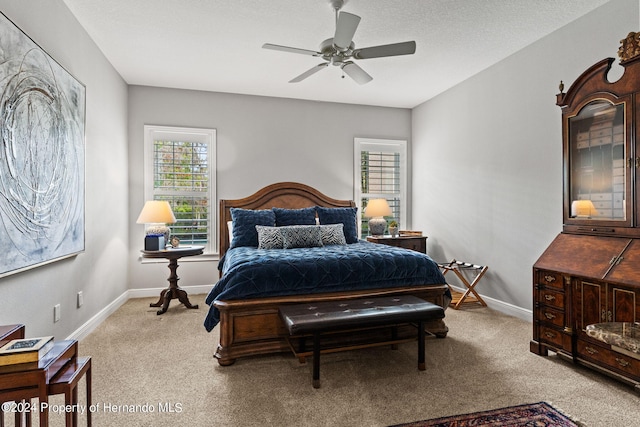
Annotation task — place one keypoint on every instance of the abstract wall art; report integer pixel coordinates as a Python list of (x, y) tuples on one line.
[(42, 181)]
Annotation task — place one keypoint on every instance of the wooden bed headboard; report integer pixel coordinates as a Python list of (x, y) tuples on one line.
[(287, 195)]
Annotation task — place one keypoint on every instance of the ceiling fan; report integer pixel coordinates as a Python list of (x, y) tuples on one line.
[(340, 50)]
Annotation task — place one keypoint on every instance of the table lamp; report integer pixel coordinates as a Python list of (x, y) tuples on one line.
[(582, 209), (376, 209), (157, 213)]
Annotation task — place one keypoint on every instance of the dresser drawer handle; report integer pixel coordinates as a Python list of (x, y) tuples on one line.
[(549, 278), (549, 316), (591, 350), (550, 334), (549, 297), (622, 362)]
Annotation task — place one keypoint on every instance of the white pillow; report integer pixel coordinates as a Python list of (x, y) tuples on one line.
[(230, 230)]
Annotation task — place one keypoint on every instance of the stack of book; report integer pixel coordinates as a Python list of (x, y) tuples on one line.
[(24, 354)]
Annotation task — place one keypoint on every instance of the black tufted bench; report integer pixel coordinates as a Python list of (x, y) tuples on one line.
[(330, 316)]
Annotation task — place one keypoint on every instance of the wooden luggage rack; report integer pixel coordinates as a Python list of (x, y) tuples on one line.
[(469, 296)]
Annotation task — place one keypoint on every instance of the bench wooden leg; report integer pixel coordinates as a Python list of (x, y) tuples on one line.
[(316, 360), (421, 363)]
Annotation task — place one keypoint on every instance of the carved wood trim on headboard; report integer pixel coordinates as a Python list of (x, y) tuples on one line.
[(288, 195)]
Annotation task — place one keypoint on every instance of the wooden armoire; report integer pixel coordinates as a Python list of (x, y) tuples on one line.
[(591, 271)]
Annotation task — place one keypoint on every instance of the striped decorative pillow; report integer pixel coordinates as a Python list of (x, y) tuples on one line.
[(301, 236), (333, 234), (269, 237)]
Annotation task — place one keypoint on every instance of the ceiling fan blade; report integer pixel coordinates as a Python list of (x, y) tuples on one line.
[(308, 73), (356, 73), (345, 29), (395, 49), (291, 49)]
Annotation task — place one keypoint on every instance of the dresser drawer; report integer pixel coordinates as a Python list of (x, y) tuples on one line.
[(551, 298), (551, 315), (551, 279), (415, 243), (551, 336), (614, 360)]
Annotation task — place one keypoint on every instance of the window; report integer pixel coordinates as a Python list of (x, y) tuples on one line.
[(180, 168), (380, 173)]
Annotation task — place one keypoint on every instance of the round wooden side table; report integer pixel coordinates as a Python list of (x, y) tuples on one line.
[(173, 291)]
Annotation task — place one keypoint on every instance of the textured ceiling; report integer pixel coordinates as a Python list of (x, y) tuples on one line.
[(216, 45)]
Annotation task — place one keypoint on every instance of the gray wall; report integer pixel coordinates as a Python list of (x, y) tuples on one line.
[(487, 154), (260, 141), (101, 271)]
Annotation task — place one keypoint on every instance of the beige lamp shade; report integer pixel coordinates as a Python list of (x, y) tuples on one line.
[(377, 208), (583, 209), (156, 212)]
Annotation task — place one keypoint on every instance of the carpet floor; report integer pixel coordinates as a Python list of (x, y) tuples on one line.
[(151, 370)]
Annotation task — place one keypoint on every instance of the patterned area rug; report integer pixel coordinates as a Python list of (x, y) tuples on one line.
[(539, 414)]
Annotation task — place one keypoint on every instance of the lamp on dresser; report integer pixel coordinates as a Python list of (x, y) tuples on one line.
[(583, 209), (377, 209)]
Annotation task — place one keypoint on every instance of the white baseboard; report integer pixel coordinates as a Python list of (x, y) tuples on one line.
[(100, 317), (504, 307), (91, 324)]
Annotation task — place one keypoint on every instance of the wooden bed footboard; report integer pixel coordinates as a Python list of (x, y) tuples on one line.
[(253, 327)]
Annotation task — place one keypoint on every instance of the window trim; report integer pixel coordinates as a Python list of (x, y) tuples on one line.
[(388, 145), (154, 132)]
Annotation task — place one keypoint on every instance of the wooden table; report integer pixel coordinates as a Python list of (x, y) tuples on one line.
[(173, 291), (22, 386), (8, 333)]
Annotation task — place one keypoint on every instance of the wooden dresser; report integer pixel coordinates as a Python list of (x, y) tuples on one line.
[(589, 274), (583, 280), (416, 243)]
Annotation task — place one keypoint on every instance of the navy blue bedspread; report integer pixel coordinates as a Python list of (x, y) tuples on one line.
[(256, 273)]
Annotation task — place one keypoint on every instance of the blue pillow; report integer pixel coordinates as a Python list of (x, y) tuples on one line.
[(304, 216), (346, 216), (244, 225)]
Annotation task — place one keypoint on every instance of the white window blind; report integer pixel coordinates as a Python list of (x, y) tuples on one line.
[(180, 168), (380, 173)]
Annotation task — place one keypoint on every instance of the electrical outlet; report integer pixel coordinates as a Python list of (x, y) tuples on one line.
[(80, 299), (56, 312)]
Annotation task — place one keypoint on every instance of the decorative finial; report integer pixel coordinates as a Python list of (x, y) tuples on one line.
[(629, 47), (561, 87)]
